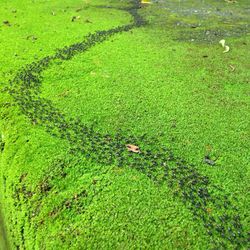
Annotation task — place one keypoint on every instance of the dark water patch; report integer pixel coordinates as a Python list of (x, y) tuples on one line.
[(205, 9), (212, 36), (204, 22)]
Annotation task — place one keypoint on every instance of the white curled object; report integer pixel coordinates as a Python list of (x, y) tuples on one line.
[(222, 42), (226, 49)]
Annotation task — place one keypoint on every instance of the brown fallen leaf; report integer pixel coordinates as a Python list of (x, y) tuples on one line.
[(133, 148)]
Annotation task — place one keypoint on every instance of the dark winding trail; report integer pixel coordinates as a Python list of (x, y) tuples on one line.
[(208, 203)]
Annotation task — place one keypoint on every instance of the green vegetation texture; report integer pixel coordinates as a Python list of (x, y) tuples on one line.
[(168, 79)]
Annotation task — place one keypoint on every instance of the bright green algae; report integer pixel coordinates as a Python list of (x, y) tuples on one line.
[(131, 90)]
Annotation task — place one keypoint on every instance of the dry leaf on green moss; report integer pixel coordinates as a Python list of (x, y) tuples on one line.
[(133, 148)]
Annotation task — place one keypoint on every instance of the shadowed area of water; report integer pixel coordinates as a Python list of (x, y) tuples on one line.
[(205, 21)]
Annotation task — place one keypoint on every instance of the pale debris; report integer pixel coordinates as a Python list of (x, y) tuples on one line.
[(223, 44)]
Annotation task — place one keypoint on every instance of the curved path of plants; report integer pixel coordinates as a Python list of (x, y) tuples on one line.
[(208, 203)]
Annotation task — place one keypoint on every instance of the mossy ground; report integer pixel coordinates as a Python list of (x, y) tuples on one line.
[(169, 76)]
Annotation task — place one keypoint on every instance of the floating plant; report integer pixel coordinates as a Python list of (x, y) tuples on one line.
[(216, 211)]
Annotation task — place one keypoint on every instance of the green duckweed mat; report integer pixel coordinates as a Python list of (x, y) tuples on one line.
[(124, 125)]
